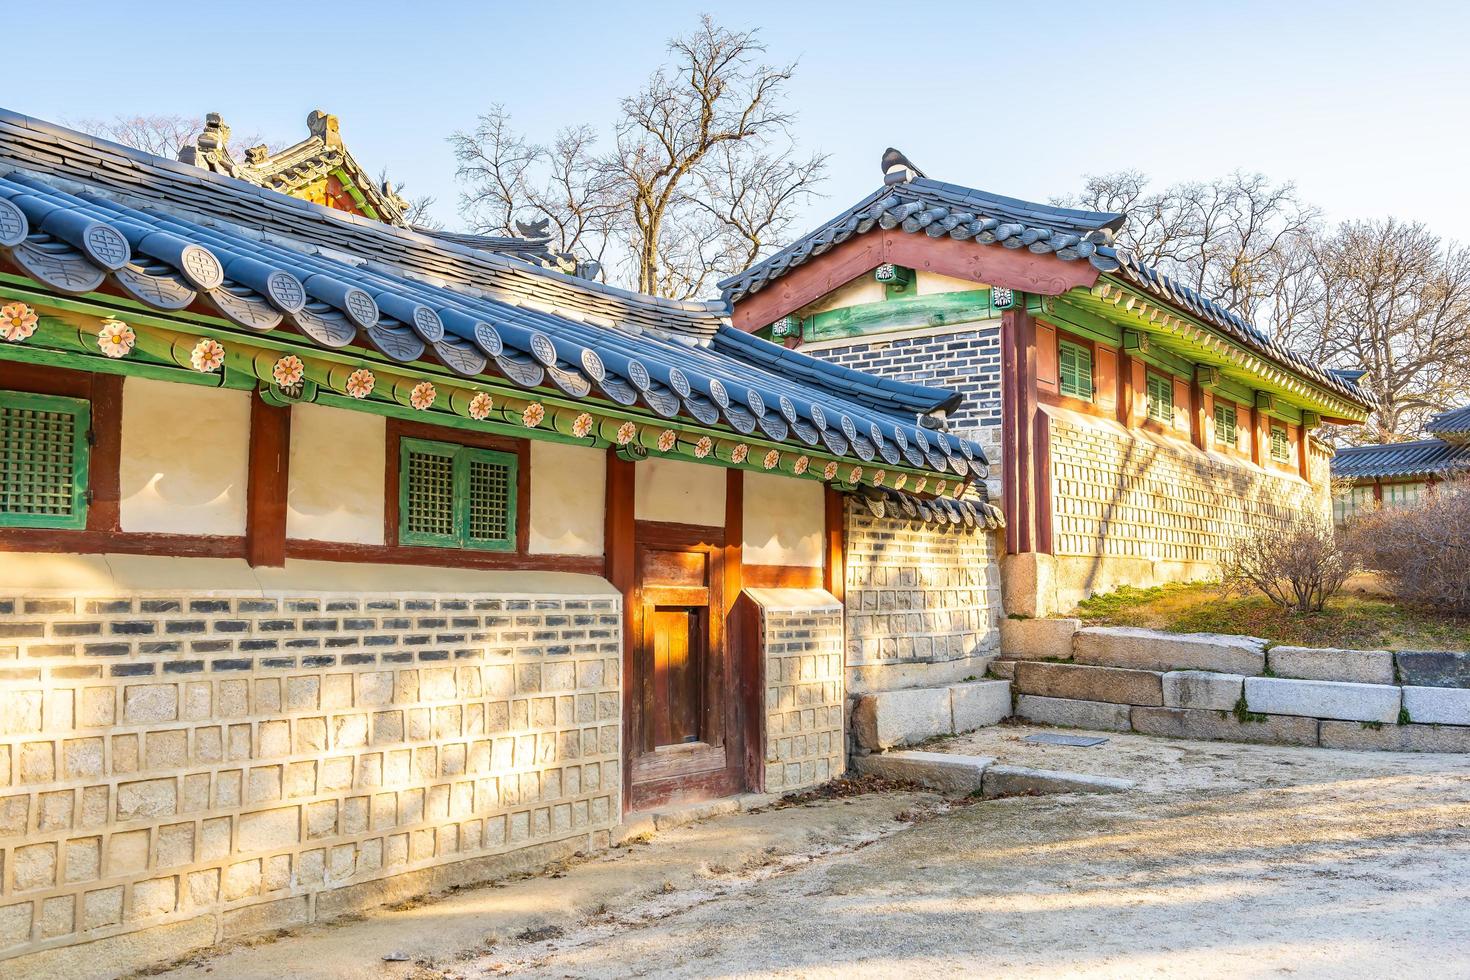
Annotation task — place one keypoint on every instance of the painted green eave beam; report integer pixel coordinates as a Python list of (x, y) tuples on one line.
[(1122, 304), (899, 313)]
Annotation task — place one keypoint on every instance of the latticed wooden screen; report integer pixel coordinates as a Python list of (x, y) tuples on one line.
[(43, 460), (1074, 363), (456, 496), (1225, 423), (1160, 399)]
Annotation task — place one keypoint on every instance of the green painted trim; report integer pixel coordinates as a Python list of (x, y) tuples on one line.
[(460, 459), (1082, 323), (354, 192), (249, 356), (80, 410), (909, 312)]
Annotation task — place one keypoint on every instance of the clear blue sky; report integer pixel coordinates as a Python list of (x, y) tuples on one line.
[(1366, 106)]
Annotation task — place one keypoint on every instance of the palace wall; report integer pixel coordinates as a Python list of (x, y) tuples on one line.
[(1141, 509), (923, 602)]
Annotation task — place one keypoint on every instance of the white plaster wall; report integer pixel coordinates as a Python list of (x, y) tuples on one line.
[(929, 283), (336, 487), (184, 458), (855, 292), (568, 499), (678, 491), (784, 518)]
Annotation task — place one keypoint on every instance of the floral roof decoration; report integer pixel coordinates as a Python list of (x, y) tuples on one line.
[(179, 239)]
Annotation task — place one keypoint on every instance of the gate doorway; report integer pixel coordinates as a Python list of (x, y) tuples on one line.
[(684, 734)]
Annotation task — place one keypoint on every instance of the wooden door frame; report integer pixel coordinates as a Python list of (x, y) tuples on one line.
[(724, 710)]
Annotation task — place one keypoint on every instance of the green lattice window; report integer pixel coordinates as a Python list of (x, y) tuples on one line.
[(1074, 365), (1225, 423), (1280, 448), (456, 496), (1161, 399), (43, 460)]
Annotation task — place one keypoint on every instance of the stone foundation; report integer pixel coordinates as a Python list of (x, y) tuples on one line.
[(201, 764)]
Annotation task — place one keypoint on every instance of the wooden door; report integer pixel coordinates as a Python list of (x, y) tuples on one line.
[(683, 734)]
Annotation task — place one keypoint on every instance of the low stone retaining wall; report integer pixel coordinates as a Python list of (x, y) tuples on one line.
[(1236, 688), (908, 717)]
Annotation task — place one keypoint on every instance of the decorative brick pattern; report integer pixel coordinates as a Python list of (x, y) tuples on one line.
[(169, 757), (801, 634), (966, 360), (919, 595), (1119, 495)]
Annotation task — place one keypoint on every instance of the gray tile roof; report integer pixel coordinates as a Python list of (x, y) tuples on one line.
[(938, 209), (1424, 457), (262, 260), (1453, 425)]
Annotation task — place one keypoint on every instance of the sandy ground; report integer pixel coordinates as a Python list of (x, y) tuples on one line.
[(1227, 860)]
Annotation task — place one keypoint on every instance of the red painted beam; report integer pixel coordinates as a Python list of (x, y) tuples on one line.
[(993, 265)]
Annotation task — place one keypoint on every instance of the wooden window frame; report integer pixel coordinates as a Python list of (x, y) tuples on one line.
[(1285, 457), (461, 457), (80, 410), (1149, 376), (400, 432), (1223, 405), (1083, 350)]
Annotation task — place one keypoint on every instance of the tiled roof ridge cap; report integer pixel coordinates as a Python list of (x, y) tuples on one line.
[(717, 309)]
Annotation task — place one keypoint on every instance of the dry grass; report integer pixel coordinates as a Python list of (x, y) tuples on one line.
[(1349, 620)]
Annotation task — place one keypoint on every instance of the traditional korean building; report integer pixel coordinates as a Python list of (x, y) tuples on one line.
[(1140, 427), (340, 562), (1397, 474)]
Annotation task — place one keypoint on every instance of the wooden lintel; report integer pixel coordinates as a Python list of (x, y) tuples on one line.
[(265, 499)]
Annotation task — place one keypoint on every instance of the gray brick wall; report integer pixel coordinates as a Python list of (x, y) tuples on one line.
[(247, 761)]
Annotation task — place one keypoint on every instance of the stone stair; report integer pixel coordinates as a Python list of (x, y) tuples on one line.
[(1235, 688)]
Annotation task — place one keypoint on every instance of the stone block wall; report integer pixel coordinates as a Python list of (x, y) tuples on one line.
[(205, 764), (1117, 495), (800, 632), (923, 602)]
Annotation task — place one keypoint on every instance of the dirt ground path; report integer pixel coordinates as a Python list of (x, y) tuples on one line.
[(1227, 860)]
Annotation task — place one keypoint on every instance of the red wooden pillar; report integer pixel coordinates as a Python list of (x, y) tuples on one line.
[(268, 477), (734, 551), (1019, 414), (834, 555), (1260, 435), (1198, 426)]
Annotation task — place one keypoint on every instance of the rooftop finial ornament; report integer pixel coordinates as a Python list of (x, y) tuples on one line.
[(899, 169)]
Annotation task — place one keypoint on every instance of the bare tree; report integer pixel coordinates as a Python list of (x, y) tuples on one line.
[(514, 183), (417, 211), (1393, 300), (701, 176), (1236, 239)]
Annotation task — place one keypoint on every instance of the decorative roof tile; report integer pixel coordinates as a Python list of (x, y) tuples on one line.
[(1424, 457), (263, 260), (915, 203)]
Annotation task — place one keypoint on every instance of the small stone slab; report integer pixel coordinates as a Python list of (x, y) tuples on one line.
[(1139, 649), (1071, 713), (1055, 738), (1111, 684), (1433, 668), (979, 704), (1202, 689), (889, 718), (1394, 738), (1223, 726), (1011, 780), (1039, 638), (959, 775), (1438, 705), (1003, 669), (1331, 664), (1323, 699)]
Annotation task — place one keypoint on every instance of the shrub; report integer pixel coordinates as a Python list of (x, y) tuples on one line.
[(1423, 550), (1297, 568)]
